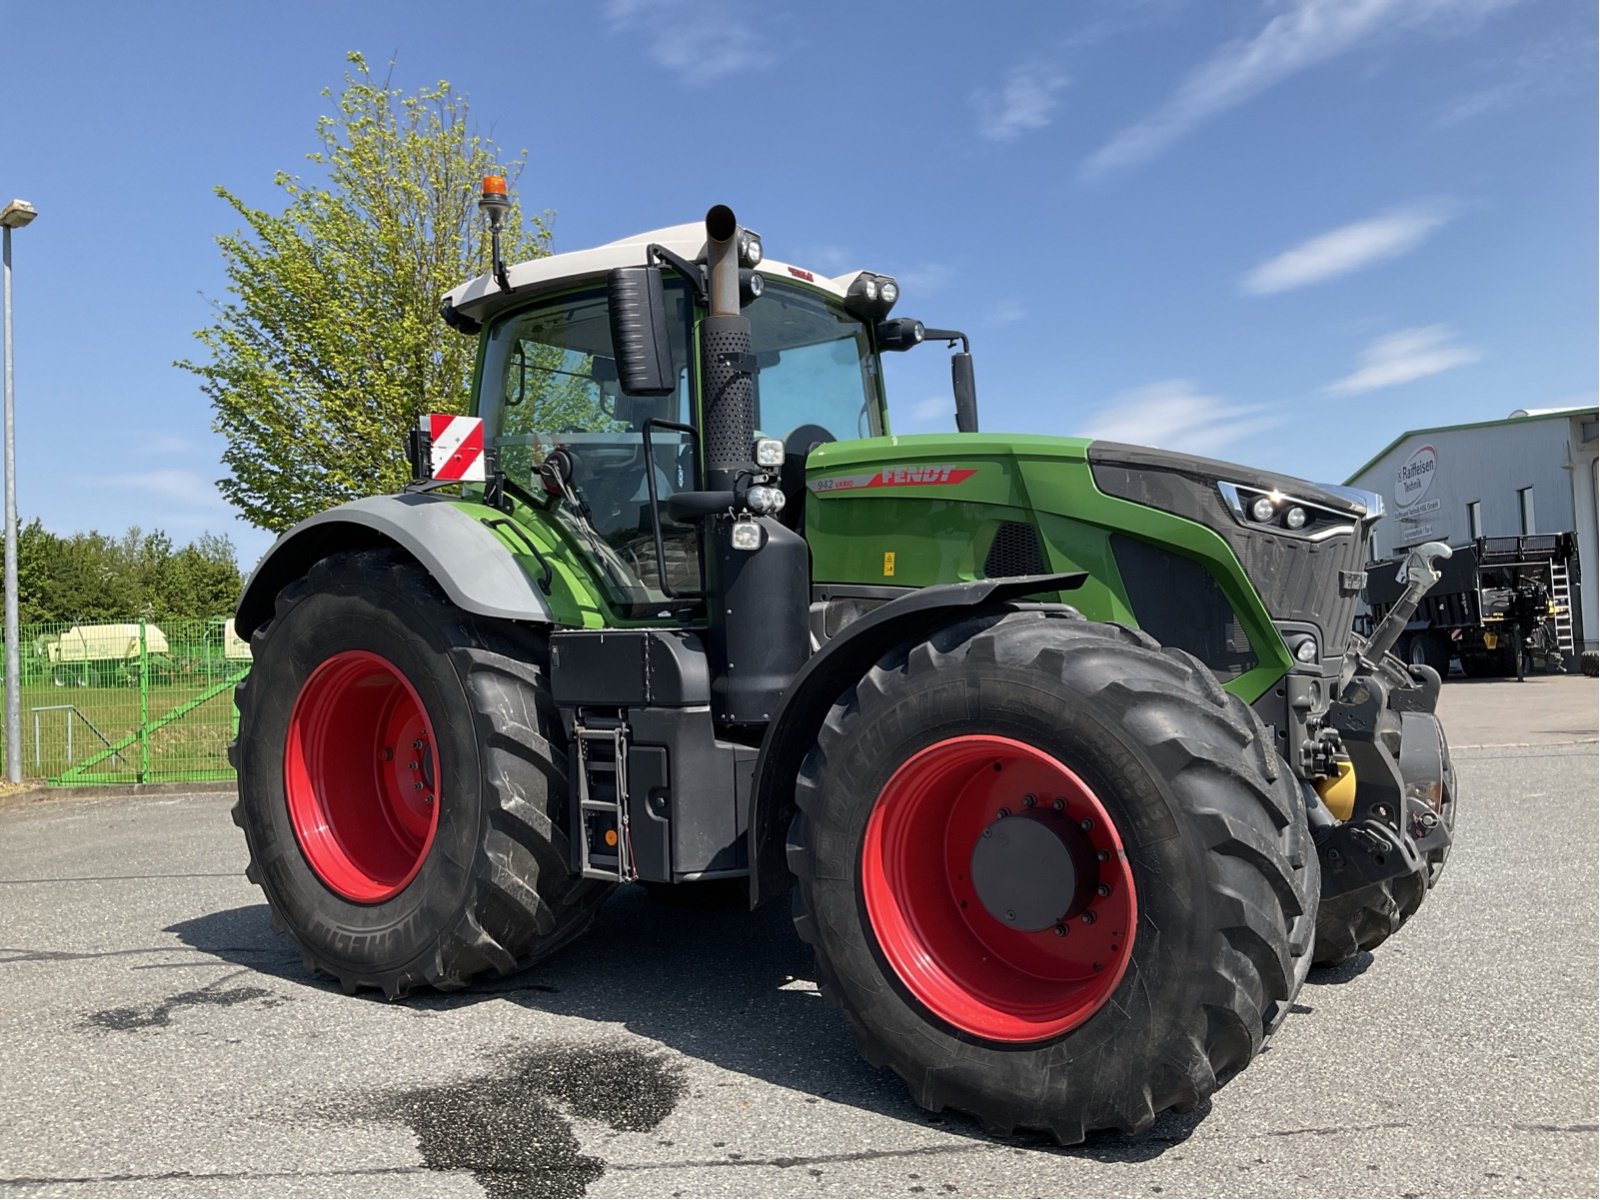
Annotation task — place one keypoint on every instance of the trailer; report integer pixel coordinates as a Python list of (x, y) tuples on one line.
[(1493, 593)]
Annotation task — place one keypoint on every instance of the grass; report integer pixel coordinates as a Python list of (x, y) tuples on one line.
[(194, 746)]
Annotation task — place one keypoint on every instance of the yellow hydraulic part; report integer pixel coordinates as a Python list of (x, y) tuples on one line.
[(1490, 641), (1338, 792)]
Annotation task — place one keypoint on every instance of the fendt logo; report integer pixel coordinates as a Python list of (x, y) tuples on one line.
[(1415, 476), (896, 477)]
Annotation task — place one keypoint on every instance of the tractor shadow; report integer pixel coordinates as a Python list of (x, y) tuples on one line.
[(713, 982)]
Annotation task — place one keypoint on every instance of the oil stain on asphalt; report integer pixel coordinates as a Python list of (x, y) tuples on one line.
[(510, 1128), (158, 1016)]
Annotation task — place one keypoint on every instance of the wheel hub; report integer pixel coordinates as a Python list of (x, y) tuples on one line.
[(998, 889), (361, 776), (1033, 872)]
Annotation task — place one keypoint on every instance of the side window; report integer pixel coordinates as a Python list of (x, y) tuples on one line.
[(550, 379)]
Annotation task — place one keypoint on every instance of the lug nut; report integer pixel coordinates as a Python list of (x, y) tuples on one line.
[(1059, 804), (1061, 931), (412, 765), (417, 745), (1010, 915), (1099, 966), (427, 800), (388, 753), (1089, 918), (1102, 856), (1086, 824), (1029, 800), (417, 786), (1004, 813), (1103, 890)]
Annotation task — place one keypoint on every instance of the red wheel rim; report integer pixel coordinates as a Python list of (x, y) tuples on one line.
[(928, 887), (361, 774)]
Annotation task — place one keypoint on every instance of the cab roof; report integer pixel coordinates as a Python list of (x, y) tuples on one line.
[(480, 298)]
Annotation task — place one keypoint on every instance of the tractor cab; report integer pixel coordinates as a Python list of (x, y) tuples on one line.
[(605, 456)]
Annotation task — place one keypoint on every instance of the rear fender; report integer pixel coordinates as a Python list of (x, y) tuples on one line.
[(837, 666), (469, 562)]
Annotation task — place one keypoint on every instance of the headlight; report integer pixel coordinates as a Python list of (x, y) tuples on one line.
[(769, 452), (746, 535), (764, 499), (1262, 508), (1306, 651), (1295, 518), (749, 248), (872, 295)]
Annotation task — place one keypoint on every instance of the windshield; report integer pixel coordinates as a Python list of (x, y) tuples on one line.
[(550, 379), (816, 371)]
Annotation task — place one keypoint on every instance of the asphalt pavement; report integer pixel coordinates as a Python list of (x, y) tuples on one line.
[(157, 1038)]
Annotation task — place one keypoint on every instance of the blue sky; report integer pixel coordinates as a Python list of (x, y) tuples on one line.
[(1276, 231)]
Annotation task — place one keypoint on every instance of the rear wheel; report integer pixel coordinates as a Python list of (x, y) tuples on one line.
[(402, 782), (1428, 649), (1055, 877)]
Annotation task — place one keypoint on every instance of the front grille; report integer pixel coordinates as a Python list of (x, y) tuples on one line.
[(1015, 551), (1298, 580), (1178, 602)]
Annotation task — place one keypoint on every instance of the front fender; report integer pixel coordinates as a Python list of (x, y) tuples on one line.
[(837, 666), (468, 561)]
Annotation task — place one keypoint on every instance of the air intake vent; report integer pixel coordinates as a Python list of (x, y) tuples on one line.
[(1178, 602), (1015, 551)]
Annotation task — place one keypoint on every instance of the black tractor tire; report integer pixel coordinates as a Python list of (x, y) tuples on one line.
[(1429, 649), (490, 888), (1589, 663), (1214, 838)]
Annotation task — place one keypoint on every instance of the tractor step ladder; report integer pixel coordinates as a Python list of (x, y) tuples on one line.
[(602, 746), (1561, 598)]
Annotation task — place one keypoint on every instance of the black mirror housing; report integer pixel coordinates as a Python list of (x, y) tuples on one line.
[(637, 299), (966, 390)]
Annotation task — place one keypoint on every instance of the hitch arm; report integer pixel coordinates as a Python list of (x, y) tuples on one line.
[(1420, 575)]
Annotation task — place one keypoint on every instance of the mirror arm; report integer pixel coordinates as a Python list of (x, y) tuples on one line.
[(694, 275), (951, 336)]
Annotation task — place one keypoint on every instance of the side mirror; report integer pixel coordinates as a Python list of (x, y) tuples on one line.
[(966, 390), (636, 297)]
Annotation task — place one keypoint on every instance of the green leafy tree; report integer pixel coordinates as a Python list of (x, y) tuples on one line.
[(87, 577), (331, 345)]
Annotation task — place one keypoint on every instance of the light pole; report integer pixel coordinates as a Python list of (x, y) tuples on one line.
[(14, 216)]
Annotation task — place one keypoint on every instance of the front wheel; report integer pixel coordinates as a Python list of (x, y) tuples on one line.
[(1053, 874), (402, 782)]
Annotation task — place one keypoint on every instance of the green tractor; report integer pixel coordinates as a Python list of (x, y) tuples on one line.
[(1063, 748)]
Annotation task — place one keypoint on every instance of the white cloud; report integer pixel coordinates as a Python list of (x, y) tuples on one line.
[(700, 41), (1174, 415), (172, 483), (830, 260), (1306, 33), (1024, 101), (1405, 356), (1555, 65), (1346, 249), (931, 410), (929, 277)]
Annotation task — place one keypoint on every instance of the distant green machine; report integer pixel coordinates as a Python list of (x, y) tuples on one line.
[(1065, 748)]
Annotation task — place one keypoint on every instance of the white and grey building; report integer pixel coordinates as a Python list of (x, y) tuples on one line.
[(1533, 472)]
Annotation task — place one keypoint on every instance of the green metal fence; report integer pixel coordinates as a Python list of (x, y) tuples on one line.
[(129, 701)]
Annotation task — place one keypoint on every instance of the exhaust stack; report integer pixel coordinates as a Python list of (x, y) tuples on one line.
[(727, 369)]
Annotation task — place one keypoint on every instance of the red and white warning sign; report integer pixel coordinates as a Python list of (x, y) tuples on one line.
[(456, 452)]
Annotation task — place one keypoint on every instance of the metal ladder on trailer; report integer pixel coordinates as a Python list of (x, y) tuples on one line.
[(1561, 598), (601, 742)]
